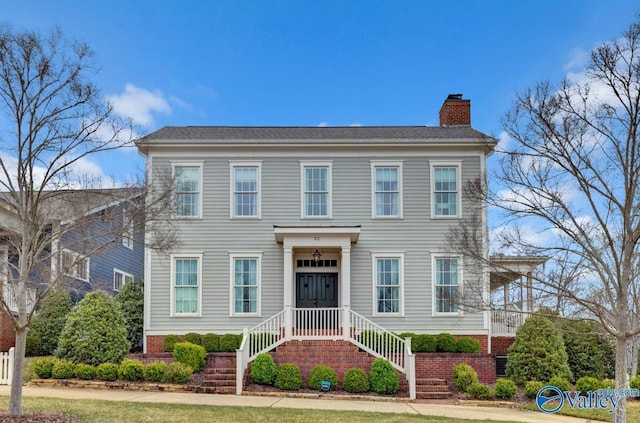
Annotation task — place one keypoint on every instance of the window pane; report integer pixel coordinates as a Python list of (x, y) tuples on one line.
[(316, 196), (445, 191), (186, 272), (246, 191), (387, 191), (187, 191), (447, 282), (388, 285), (245, 285)]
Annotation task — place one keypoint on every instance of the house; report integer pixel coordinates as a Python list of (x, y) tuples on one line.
[(99, 244), (317, 233)]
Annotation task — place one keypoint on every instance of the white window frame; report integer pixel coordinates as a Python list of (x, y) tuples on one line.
[(252, 255), (124, 276), (128, 230), (382, 164), (375, 256), (173, 258), (189, 164), (434, 302), (77, 258), (233, 165), (438, 164), (305, 164)]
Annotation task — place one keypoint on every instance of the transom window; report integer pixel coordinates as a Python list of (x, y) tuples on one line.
[(388, 281), (245, 279), (186, 285), (75, 265), (387, 189), (245, 189), (316, 196), (445, 191), (188, 190), (121, 278), (447, 284)]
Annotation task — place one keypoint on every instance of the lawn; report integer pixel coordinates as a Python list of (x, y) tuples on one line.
[(633, 412)]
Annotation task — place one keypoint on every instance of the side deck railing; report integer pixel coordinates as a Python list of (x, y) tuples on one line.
[(506, 322), (10, 299)]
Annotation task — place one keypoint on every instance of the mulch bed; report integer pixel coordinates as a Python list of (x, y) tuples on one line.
[(39, 418)]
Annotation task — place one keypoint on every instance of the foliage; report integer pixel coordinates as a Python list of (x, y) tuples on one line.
[(63, 369), (588, 383), (264, 370), (537, 353), (635, 382), (230, 342), (607, 384), (85, 371), (43, 367), (132, 370), (480, 391), (532, 387), (107, 371), (424, 343), (289, 377), (318, 374), (33, 345), (356, 380), (505, 388), (48, 323), (405, 335), (193, 337), (560, 383), (94, 332), (131, 300), (584, 352), (154, 372), (369, 338), (211, 342), (169, 342), (190, 354), (466, 344), (178, 373), (445, 342), (261, 339), (463, 376), (383, 377)]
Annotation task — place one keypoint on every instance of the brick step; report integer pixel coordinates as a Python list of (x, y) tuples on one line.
[(420, 381), (433, 395), (218, 370), (216, 390), (219, 376), (432, 388), (218, 383)]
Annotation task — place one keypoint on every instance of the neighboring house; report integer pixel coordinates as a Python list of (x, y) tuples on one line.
[(317, 232), (104, 250)]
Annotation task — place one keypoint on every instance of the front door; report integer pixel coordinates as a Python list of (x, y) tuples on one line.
[(316, 290)]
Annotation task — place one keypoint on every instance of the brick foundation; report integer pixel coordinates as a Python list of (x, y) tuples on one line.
[(500, 344), (154, 344), (7, 333), (440, 365)]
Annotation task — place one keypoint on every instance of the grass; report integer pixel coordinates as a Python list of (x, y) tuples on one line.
[(112, 411), (633, 412)]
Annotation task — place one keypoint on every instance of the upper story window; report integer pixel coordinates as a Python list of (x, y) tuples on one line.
[(188, 189), (316, 189), (127, 230), (121, 278), (75, 265), (386, 197), (388, 275), (447, 278), (245, 189), (445, 188), (186, 286)]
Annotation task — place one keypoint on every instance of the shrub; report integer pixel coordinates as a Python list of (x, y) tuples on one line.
[(95, 332), (608, 384), (505, 389), (85, 371), (49, 322), (43, 367), (33, 345), (560, 383), (131, 370), (445, 342), (369, 338), (584, 351), (194, 338), (289, 377), (383, 378), (154, 372), (424, 343), (356, 380), (261, 339), (532, 387), (537, 353), (463, 376), (405, 335), (131, 300), (178, 373), (480, 391), (264, 370), (588, 383), (107, 371), (169, 342), (466, 344), (230, 342), (318, 374), (635, 382), (190, 354), (211, 342), (63, 369)]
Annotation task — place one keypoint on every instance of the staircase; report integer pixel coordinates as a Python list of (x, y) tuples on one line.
[(432, 389), (218, 381)]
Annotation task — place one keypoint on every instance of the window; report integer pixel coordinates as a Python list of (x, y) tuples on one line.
[(120, 278), (186, 286), (447, 284), (245, 283), (245, 189), (127, 230), (387, 189), (316, 189), (75, 265), (388, 280), (188, 187), (445, 186)]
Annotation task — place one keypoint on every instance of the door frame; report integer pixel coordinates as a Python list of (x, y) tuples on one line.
[(336, 287)]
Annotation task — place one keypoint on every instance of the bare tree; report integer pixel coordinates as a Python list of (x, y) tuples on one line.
[(52, 119)]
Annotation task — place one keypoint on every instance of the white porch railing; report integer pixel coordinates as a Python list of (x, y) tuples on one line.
[(10, 299), (6, 366), (505, 322)]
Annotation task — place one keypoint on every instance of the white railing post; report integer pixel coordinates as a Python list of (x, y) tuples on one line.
[(346, 323), (242, 360), (12, 354), (410, 366), (288, 323)]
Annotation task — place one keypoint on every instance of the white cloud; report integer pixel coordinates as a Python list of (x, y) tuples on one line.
[(139, 104), (323, 124), (355, 124), (504, 140), (577, 59)]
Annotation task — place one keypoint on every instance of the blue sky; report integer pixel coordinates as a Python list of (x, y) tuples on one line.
[(321, 62)]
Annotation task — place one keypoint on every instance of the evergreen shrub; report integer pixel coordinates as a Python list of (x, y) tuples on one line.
[(63, 369), (48, 323), (85, 371), (445, 342), (383, 377), (289, 377), (43, 367), (178, 373), (463, 376), (131, 300), (480, 391), (466, 344), (194, 338), (230, 342), (505, 389), (190, 354), (155, 371), (588, 383), (263, 370), (318, 374), (356, 380), (131, 370), (532, 387), (107, 372), (169, 342), (424, 343), (211, 342), (560, 383)]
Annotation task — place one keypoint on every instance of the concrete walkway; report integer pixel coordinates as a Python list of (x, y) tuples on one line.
[(452, 411)]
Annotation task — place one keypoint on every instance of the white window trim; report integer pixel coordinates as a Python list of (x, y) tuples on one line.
[(386, 163), (450, 163), (313, 163), (192, 255), (374, 276), (128, 230), (77, 257), (232, 205), (233, 255), (434, 308), (195, 163), (124, 278)]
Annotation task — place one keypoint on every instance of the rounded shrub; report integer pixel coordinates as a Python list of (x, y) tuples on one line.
[(466, 344), (264, 370), (445, 342), (318, 374), (131, 300), (532, 387), (505, 389), (178, 373), (107, 372), (154, 372), (49, 322), (588, 383), (131, 370), (356, 380), (211, 342), (85, 371), (63, 369), (480, 391), (560, 383), (405, 335), (190, 354), (634, 383), (230, 342), (608, 384), (288, 378), (194, 338), (169, 342), (383, 377), (43, 367), (424, 343), (463, 376)]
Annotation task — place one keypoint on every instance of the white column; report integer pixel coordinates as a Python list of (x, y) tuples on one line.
[(288, 276), (346, 276)]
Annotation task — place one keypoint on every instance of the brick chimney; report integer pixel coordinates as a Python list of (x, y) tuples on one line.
[(455, 111)]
